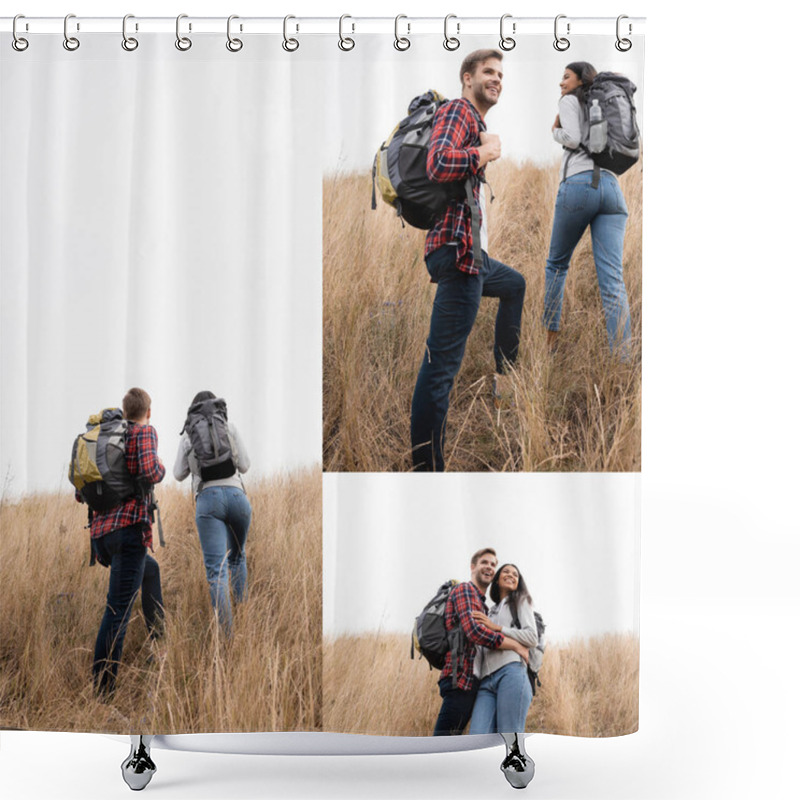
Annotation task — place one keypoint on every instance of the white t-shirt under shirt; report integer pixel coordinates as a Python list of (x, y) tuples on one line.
[(484, 225)]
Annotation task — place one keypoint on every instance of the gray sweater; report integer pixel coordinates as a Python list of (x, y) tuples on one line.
[(489, 661), (185, 463), (574, 129)]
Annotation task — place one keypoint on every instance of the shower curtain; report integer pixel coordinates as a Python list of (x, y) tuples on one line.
[(204, 218)]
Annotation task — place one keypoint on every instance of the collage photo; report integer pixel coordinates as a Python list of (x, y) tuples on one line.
[(235, 342)]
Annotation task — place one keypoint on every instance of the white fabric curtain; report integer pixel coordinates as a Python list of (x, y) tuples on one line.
[(160, 228)]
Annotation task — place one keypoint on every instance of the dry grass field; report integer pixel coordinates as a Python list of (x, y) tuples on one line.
[(371, 686), (266, 678), (577, 410)]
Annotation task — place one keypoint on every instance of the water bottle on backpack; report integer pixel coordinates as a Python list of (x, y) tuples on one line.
[(598, 128)]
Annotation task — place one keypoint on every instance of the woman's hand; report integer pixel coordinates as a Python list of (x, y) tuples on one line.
[(482, 619), (557, 123)]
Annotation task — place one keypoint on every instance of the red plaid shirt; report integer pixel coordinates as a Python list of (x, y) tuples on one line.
[(141, 458), (463, 600), (453, 156)]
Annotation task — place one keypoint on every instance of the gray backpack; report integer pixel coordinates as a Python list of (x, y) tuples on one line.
[(399, 172), (613, 137), (535, 654), (212, 448), (430, 637), (97, 468)]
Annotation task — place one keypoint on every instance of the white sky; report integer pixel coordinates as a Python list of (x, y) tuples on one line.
[(368, 90), (161, 228), (391, 540)]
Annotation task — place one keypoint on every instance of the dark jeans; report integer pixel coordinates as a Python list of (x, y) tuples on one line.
[(130, 568), (455, 307), (456, 708)]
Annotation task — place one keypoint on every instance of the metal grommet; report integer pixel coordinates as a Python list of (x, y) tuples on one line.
[(345, 42), (128, 42), (233, 44), (401, 43), (561, 43), (451, 42), (70, 42), (183, 43), (18, 42), (506, 42), (623, 45), (289, 44)]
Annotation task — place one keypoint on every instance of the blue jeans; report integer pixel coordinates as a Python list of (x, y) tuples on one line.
[(503, 700), (455, 307), (604, 209), (130, 568), (456, 708), (223, 519)]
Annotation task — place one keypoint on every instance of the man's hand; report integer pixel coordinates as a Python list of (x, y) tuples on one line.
[(489, 149)]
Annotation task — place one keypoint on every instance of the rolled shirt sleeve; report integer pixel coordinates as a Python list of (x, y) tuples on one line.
[(475, 633), (150, 467)]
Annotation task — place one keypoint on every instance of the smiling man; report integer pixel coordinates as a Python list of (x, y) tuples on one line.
[(456, 258), (458, 686)]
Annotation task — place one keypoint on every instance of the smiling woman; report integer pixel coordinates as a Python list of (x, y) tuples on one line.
[(506, 687)]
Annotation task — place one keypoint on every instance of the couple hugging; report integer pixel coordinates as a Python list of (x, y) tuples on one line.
[(489, 680)]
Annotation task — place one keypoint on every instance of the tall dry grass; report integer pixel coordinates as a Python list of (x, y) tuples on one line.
[(578, 410), (371, 686), (266, 678)]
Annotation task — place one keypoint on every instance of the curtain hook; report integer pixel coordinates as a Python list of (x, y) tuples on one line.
[(401, 42), (129, 43), (183, 43), (70, 42), (561, 43), (234, 45), (506, 42), (18, 42), (345, 42), (623, 45), (289, 44), (451, 42)]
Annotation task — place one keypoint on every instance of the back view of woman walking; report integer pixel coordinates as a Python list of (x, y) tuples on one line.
[(211, 450), (579, 205)]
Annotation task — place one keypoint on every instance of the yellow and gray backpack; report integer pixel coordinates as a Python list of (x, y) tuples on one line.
[(97, 468)]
